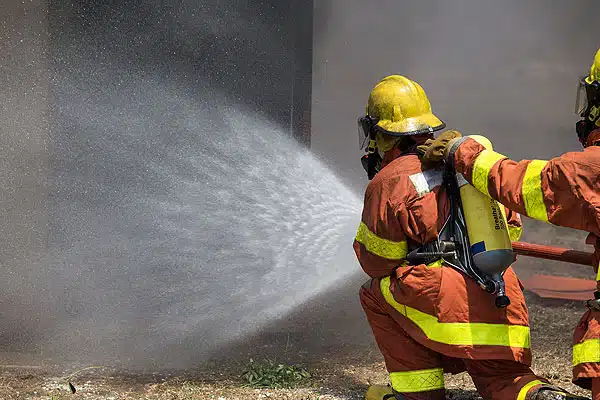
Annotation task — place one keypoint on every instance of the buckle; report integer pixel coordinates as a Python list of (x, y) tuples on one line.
[(432, 251)]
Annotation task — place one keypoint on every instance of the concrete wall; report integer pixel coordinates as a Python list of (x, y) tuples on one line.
[(25, 103), (259, 51)]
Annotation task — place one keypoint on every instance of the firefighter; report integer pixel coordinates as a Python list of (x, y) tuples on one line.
[(564, 191), (429, 319)]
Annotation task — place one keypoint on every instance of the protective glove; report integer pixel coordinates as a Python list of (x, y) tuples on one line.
[(432, 151)]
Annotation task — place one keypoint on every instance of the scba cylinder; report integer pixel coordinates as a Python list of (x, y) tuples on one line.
[(487, 227)]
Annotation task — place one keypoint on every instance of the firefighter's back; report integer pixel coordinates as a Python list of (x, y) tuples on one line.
[(443, 308)]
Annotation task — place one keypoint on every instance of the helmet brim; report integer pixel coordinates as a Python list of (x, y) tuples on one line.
[(426, 123)]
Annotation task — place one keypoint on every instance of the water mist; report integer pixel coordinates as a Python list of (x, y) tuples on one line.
[(177, 224)]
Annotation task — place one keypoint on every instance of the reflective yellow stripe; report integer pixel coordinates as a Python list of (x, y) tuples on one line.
[(525, 389), (435, 264), (482, 167), (598, 273), (460, 333), (379, 246), (423, 380), (531, 190), (514, 232), (587, 351)]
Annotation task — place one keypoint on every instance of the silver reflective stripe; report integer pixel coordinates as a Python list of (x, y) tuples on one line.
[(424, 182)]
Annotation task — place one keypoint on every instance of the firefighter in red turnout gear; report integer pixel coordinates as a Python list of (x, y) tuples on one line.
[(429, 319)]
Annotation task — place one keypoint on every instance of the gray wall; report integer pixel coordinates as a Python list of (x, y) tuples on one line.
[(258, 50), (24, 161)]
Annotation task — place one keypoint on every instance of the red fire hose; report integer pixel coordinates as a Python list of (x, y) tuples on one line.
[(552, 253), (557, 287)]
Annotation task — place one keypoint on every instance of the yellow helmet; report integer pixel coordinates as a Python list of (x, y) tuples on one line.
[(397, 107), (401, 107), (594, 70)]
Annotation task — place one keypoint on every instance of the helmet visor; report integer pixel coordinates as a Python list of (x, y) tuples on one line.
[(581, 101), (363, 132)]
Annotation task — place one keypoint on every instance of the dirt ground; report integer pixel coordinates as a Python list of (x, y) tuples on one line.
[(340, 373)]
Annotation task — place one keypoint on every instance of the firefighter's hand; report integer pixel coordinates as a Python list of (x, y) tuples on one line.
[(432, 151)]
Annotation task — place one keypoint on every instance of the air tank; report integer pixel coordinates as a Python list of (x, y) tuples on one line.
[(487, 228)]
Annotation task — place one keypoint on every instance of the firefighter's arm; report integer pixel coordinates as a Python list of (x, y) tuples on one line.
[(520, 186), (380, 242)]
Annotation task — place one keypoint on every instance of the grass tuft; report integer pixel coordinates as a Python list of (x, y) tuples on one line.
[(268, 374)]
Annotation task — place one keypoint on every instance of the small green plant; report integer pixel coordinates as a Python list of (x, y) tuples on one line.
[(268, 374)]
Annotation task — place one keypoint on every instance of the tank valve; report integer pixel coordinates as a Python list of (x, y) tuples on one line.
[(502, 300), (498, 287)]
